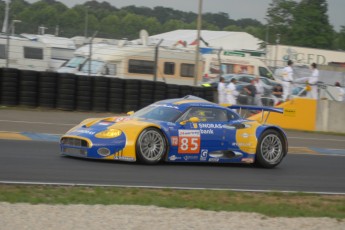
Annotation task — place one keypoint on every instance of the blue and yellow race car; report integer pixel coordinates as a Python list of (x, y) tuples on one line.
[(187, 129)]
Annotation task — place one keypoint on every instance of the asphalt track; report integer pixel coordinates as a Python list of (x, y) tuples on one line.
[(29, 153)]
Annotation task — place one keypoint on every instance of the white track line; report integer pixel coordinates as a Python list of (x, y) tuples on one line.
[(36, 122)]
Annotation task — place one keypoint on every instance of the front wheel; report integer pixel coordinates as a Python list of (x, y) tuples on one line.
[(151, 146), (271, 149)]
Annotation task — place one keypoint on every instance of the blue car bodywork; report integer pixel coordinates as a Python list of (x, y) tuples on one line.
[(186, 129)]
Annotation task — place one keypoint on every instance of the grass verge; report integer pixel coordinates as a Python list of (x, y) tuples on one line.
[(269, 204)]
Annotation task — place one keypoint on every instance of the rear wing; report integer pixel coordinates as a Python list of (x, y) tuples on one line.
[(258, 108)]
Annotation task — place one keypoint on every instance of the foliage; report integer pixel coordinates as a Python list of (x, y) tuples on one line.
[(298, 22)]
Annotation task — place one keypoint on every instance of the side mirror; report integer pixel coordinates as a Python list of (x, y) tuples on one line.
[(130, 113), (192, 119)]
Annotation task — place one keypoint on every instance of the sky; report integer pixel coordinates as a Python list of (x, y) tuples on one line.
[(237, 9)]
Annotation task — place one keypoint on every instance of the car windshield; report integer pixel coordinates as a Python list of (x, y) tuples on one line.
[(75, 62), (158, 112), (96, 67)]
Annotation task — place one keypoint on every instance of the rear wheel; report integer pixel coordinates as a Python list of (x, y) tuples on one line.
[(271, 149), (151, 146)]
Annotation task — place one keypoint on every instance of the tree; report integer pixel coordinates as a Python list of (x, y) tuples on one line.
[(311, 27), (339, 41), (280, 16)]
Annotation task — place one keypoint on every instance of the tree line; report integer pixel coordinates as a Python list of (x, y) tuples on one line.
[(299, 23)]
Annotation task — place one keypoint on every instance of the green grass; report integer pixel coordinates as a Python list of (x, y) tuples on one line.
[(269, 204)]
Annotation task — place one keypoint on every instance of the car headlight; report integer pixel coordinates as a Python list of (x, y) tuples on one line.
[(109, 133)]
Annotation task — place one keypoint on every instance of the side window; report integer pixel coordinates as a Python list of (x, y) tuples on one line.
[(187, 70), (140, 66), (264, 72), (33, 53), (169, 68), (207, 114), (232, 116)]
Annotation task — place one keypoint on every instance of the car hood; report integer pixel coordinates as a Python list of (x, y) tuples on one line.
[(92, 126)]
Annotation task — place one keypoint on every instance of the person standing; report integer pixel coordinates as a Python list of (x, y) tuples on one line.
[(259, 91), (231, 92), (312, 82), (340, 91), (251, 92), (277, 94), (221, 91), (287, 79)]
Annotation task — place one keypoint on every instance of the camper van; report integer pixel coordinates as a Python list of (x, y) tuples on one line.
[(138, 62), (80, 56), (215, 65), (35, 52), (61, 48), (24, 54)]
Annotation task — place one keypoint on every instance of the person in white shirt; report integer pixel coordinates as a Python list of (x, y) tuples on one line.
[(287, 79), (340, 91), (231, 92), (221, 91), (312, 81), (259, 91)]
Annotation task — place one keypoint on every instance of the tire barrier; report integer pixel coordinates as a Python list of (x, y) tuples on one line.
[(159, 91), (47, 89), (66, 91), (116, 95), (173, 91), (9, 86), (28, 88), (100, 94), (132, 95), (146, 93), (84, 93)]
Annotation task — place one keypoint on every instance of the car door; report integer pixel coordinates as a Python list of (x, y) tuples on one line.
[(197, 139)]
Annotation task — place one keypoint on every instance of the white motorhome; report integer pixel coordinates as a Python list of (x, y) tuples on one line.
[(228, 64), (80, 56), (138, 62), (24, 54), (61, 48), (34, 52)]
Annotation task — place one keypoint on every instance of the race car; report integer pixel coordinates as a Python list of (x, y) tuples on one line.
[(187, 129)]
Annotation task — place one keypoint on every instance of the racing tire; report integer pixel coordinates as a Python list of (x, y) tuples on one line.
[(151, 146), (270, 150)]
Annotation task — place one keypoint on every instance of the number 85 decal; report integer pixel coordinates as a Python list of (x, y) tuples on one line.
[(189, 141)]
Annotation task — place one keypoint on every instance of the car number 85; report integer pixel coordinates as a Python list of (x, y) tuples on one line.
[(189, 145)]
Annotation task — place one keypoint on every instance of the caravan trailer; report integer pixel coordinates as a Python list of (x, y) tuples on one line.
[(61, 48), (24, 54), (138, 62), (45, 53)]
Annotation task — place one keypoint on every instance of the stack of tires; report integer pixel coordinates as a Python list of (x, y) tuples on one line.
[(132, 95), (28, 88), (185, 90), (84, 93), (9, 87), (66, 91), (159, 92), (146, 93), (173, 91), (198, 92), (100, 94), (209, 93), (116, 95), (47, 89)]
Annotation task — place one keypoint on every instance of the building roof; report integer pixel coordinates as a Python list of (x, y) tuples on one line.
[(218, 39)]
